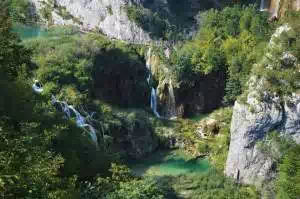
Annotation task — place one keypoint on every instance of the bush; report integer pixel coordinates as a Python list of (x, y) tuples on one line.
[(288, 183), (228, 46)]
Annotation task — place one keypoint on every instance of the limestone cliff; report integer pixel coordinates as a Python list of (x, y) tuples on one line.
[(177, 99), (261, 112), (277, 8), (107, 16)]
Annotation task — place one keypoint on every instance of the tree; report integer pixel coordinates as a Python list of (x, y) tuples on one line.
[(28, 167), (288, 182)]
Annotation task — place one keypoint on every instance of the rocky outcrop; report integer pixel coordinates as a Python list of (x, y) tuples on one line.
[(107, 16), (277, 8), (181, 100), (164, 82), (252, 120), (132, 133)]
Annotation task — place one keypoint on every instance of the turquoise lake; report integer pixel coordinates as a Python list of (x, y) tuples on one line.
[(169, 163), (28, 32)]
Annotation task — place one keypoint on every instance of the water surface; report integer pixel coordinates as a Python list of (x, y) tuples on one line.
[(28, 32), (169, 163)]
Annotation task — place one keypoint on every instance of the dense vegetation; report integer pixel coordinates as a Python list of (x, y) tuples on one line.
[(231, 46), (43, 155), (20, 12)]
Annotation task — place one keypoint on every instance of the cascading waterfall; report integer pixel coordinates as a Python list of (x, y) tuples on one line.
[(171, 103), (154, 101), (262, 5), (153, 98), (80, 120)]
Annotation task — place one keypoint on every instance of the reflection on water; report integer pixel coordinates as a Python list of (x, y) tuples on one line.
[(169, 163), (27, 32)]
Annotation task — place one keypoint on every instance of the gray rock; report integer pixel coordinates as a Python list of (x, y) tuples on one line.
[(288, 60), (250, 124), (245, 163), (107, 16), (252, 120)]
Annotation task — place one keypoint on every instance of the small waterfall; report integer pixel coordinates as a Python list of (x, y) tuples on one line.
[(262, 5), (154, 102), (171, 103), (153, 98), (80, 120)]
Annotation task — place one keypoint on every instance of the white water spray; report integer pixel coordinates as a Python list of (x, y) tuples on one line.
[(262, 5), (171, 102), (80, 120), (153, 98), (153, 102)]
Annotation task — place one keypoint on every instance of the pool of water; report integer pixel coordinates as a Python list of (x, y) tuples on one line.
[(27, 32), (169, 163)]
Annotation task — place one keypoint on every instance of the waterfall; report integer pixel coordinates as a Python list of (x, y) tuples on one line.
[(154, 102), (262, 5), (153, 98), (171, 103), (80, 120)]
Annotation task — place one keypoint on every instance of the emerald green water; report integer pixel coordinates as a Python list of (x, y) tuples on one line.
[(169, 163), (28, 32)]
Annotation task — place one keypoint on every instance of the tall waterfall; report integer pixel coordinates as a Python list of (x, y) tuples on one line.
[(262, 5), (154, 102), (171, 103), (153, 98), (80, 120)]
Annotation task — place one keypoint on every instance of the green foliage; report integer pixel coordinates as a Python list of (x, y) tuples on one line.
[(46, 10), (288, 181), (148, 20), (29, 168), (212, 184), (122, 185), (13, 56), (62, 11), (109, 10), (274, 146), (219, 145), (20, 11), (281, 78), (230, 46), (92, 65)]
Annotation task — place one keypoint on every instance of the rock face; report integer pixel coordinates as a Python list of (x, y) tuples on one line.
[(182, 100), (132, 133), (250, 124), (107, 16), (277, 8), (254, 119)]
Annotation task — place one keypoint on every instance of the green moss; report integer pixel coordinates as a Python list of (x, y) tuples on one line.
[(109, 10), (46, 10)]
